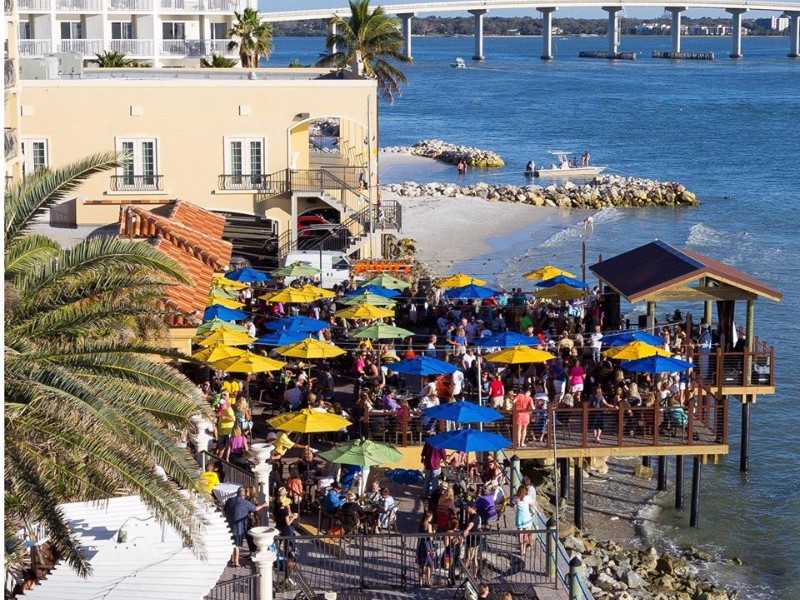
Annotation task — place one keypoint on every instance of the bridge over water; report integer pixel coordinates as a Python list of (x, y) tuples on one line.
[(478, 8)]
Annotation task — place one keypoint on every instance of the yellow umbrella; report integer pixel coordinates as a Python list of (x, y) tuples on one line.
[(633, 350), (225, 335), (560, 291), (309, 421), (365, 310), (516, 355), (223, 301), (310, 348), (546, 272), (248, 362), (216, 352), (458, 280), (221, 281), (318, 291), (290, 295)]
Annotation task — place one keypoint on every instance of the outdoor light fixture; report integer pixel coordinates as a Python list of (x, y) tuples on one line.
[(301, 116)]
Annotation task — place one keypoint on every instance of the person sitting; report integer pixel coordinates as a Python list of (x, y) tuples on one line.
[(350, 513), (374, 494), (333, 499), (491, 471), (386, 508), (389, 400), (209, 479)]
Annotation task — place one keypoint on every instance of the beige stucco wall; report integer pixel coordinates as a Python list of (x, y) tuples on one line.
[(190, 119)]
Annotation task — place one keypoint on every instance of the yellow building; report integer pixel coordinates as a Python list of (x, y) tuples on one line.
[(11, 134), (262, 147)]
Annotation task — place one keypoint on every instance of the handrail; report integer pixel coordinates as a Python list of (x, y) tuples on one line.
[(231, 472)]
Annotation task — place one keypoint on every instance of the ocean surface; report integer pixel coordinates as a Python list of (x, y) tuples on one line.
[(729, 130)]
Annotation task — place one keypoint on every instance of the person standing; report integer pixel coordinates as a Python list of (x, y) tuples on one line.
[(522, 415), (597, 344), (426, 551), (524, 507), (585, 158), (704, 345), (237, 510), (471, 539), (432, 462)]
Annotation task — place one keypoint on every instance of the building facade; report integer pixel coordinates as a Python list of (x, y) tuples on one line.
[(11, 134)]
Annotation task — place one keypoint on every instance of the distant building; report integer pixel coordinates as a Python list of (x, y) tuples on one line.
[(713, 29), (651, 29), (773, 23)]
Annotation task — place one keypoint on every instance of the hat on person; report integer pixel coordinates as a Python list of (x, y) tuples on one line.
[(444, 486), (282, 491), (272, 436)]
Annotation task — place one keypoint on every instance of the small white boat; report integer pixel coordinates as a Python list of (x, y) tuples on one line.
[(458, 63), (564, 169)]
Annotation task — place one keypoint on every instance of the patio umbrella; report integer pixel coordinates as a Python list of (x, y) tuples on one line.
[(559, 291), (223, 301), (290, 295), (216, 323), (387, 281), (318, 291), (297, 323), (281, 338), (546, 272), (634, 350), (458, 279), (469, 440), (309, 420), (365, 310), (222, 312), (223, 335), (218, 290), (216, 352), (517, 355), (463, 412), (366, 297), (220, 280), (381, 331), (247, 274), (570, 281), (374, 289), (506, 339), (298, 269), (364, 453), (656, 364), (618, 339), (470, 291), (423, 365), (248, 363), (310, 348)]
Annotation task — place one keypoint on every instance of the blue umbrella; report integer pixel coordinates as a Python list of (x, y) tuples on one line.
[(471, 291), (463, 412), (247, 274), (224, 313), (656, 364), (624, 337), (506, 339), (570, 281), (375, 289), (296, 324), (469, 440), (281, 338), (423, 365)]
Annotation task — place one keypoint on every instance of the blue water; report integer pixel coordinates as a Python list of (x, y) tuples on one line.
[(727, 129)]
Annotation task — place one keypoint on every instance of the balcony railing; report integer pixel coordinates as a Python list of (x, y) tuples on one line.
[(224, 6), (219, 47), (10, 142), (80, 5), (133, 47), (184, 47), (136, 183), (85, 47), (10, 75), (720, 369), (130, 5), (35, 47), (257, 182), (34, 5)]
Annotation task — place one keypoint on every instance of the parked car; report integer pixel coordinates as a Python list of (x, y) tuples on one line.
[(305, 221)]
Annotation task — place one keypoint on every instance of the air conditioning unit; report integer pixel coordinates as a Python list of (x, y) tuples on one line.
[(70, 63), (39, 68)]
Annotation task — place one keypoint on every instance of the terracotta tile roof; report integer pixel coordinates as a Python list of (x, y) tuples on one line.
[(190, 235)]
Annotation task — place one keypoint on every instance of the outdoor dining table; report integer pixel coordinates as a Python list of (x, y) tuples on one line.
[(223, 491)]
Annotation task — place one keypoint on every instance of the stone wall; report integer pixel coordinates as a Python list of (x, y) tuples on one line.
[(451, 153)]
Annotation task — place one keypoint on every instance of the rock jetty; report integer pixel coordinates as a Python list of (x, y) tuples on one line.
[(606, 190), (451, 153)]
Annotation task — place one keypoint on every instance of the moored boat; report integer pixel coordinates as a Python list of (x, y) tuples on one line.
[(458, 63), (565, 168)]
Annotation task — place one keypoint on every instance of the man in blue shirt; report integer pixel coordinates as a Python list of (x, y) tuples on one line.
[(333, 499)]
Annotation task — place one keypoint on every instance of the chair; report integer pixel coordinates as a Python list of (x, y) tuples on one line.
[(389, 520)]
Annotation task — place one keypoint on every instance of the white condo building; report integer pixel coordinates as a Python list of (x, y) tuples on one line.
[(162, 32)]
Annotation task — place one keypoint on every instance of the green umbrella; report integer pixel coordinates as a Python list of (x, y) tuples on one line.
[(387, 281), (364, 453), (298, 269), (216, 323), (381, 331), (374, 299), (221, 291)]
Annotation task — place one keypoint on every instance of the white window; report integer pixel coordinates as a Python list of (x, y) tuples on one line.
[(122, 30), (24, 30), (140, 172), (71, 30), (219, 31), (36, 153), (244, 162)]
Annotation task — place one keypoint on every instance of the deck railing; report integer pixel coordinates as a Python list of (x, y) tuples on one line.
[(85, 47), (720, 369), (136, 183), (133, 47), (34, 47), (240, 588), (80, 5)]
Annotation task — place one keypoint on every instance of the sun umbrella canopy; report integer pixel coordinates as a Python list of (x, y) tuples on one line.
[(216, 323), (559, 291), (506, 339), (364, 453), (216, 352), (224, 335), (220, 280), (291, 295), (656, 364), (618, 339), (374, 289), (381, 331), (249, 363), (222, 312), (469, 440), (423, 365), (298, 269), (281, 338), (387, 281), (309, 421), (317, 291), (223, 292), (517, 355), (223, 301), (562, 279), (546, 272), (463, 412), (458, 280), (368, 297), (310, 348), (470, 291), (247, 274), (634, 350), (297, 323), (365, 310)]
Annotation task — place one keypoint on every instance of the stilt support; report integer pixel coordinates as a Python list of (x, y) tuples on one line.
[(578, 501), (564, 476), (694, 518), (662, 473)]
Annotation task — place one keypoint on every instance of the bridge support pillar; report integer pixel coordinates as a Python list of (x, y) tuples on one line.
[(406, 19), (333, 48), (675, 28), (578, 498), (547, 31), (694, 517), (744, 453), (662, 473), (679, 481), (736, 33), (794, 34), (478, 14), (564, 477), (613, 27)]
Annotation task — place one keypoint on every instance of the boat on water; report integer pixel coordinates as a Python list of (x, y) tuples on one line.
[(458, 63), (564, 168)]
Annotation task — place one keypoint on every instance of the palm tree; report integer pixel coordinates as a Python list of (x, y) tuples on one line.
[(217, 62), (254, 37), (377, 37), (87, 411), (111, 59)]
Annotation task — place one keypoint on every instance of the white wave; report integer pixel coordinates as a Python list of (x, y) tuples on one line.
[(608, 214), (705, 237)]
